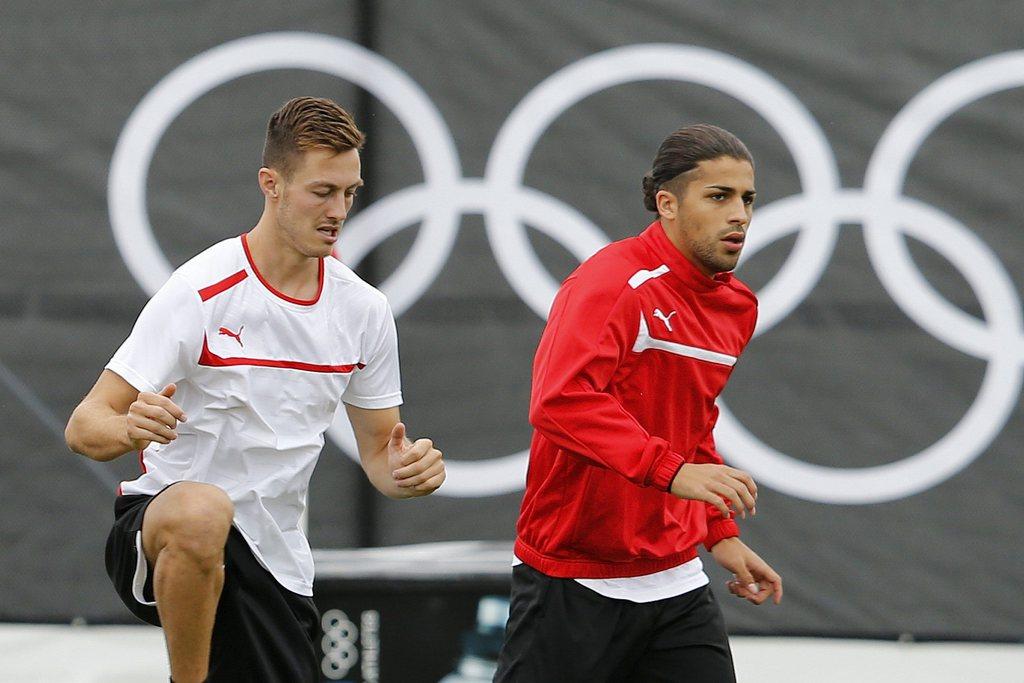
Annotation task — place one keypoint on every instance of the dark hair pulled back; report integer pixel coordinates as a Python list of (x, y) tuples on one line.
[(683, 150)]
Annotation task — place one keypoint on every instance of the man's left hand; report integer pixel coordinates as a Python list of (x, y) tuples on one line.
[(753, 578)]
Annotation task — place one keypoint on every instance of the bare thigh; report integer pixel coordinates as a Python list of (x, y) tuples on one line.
[(191, 514)]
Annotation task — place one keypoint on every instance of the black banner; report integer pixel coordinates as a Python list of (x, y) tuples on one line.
[(879, 406)]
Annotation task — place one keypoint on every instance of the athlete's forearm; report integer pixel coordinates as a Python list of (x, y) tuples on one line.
[(594, 425), (98, 432)]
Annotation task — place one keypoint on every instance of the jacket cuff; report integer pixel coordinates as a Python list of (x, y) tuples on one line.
[(665, 471), (720, 529)]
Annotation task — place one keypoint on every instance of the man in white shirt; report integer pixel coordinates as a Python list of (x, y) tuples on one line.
[(225, 387)]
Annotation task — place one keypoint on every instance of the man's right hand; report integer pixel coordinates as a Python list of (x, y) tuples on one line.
[(719, 485), (153, 417)]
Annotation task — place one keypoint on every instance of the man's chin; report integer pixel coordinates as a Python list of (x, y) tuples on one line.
[(729, 262), (318, 250)]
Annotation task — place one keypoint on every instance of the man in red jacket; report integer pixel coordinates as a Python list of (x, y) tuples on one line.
[(624, 480)]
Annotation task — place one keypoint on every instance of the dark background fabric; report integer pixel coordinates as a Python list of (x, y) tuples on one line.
[(847, 379)]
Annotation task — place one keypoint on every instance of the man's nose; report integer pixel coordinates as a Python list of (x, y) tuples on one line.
[(336, 208), (738, 212)]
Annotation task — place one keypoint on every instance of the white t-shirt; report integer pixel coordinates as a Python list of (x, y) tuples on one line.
[(259, 376)]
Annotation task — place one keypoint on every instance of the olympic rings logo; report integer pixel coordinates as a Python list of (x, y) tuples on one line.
[(508, 206), (338, 644)]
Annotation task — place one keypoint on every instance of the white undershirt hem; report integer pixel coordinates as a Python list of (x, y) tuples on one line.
[(667, 583)]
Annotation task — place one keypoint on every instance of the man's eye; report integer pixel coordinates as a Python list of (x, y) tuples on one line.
[(717, 197), (322, 194), (748, 201)]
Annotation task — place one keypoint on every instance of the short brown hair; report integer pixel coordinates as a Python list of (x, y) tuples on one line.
[(683, 150), (305, 123)]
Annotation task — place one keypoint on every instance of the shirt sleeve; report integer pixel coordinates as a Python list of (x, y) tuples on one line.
[(718, 526), (591, 330), (166, 341), (378, 383)]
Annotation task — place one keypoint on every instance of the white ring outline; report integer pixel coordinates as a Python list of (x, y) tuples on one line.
[(885, 214), (815, 162), (960, 446), (886, 173), (126, 190), (500, 474)]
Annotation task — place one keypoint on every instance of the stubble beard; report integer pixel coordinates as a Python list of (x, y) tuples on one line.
[(293, 233), (708, 255)]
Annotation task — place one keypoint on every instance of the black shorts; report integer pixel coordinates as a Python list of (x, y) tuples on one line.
[(560, 631), (262, 632)]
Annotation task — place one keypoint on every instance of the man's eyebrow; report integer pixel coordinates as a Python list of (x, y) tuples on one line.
[(726, 188), (330, 185)]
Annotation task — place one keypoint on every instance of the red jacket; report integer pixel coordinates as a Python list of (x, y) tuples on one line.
[(638, 345)]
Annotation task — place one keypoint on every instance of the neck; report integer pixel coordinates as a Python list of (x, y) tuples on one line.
[(280, 264)]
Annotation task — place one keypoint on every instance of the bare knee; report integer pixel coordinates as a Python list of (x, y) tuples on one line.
[(190, 519)]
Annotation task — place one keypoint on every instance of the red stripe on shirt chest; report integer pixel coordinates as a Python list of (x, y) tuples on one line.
[(210, 359)]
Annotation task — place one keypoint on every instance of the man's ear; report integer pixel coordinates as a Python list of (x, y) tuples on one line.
[(270, 183), (667, 203)]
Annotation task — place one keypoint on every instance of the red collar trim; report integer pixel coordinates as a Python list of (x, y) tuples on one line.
[(270, 288)]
